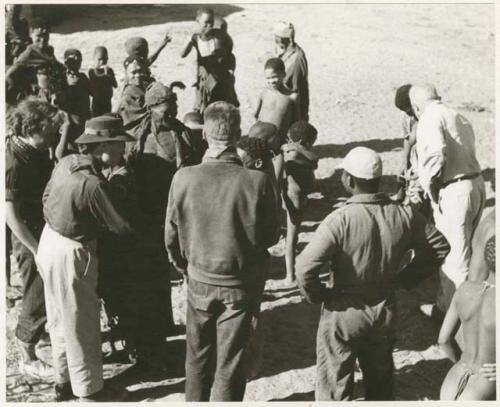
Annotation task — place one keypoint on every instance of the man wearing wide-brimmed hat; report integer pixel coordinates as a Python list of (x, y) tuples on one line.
[(77, 208)]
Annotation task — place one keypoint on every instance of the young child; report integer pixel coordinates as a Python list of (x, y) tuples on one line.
[(215, 81), (44, 88), (194, 121), (31, 128), (473, 306), (276, 104), (138, 46), (300, 163), (102, 81), (269, 133), (76, 95)]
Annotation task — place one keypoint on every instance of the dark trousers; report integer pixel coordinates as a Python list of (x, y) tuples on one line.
[(350, 330), (32, 318), (218, 331)]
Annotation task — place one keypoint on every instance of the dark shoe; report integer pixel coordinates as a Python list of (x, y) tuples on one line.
[(63, 392), (104, 395)]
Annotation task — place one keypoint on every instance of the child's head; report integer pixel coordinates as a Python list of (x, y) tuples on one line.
[(193, 120), (254, 153), (220, 23), (274, 71), (43, 77), (137, 47), (267, 132), (72, 76), (161, 100), (302, 132), (136, 70), (36, 121), (39, 32), (205, 18), (402, 100), (100, 56), (73, 59)]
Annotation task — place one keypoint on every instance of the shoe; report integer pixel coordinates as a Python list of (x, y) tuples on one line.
[(432, 311), (104, 395), (37, 369), (63, 392)]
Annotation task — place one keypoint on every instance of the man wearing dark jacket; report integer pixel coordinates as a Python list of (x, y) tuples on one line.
[(220, 221)]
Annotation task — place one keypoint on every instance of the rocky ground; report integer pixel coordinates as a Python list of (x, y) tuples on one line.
[(358, 55)]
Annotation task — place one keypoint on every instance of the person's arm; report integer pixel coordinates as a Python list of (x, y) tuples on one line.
[(154, 55), (19, 228), (104, 211), (112, 78), (172, 243), (189, 46), (449, 329), (311, 261), (62, 145), (431, 153), (269, 219), (258, 106)]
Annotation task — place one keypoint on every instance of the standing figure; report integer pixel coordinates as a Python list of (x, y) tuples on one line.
[(102, 81), (220, 221), (450, 175), (215, 81), (364, 242), (297, 71)]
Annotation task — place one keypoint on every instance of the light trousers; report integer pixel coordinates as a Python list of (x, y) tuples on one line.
[(69, 271)]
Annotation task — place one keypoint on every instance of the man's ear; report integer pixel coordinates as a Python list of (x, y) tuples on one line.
[(258, 164)]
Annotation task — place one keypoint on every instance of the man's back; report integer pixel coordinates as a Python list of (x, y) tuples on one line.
[(224, 215)]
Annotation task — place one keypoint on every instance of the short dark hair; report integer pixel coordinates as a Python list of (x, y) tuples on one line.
[(276, 64), (302, 132), (101, 49), (255, 148), (204, 10), (39, 22), (402, 98)]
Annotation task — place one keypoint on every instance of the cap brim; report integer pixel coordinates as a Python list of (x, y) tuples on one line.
[(194, 126), (92, 138)]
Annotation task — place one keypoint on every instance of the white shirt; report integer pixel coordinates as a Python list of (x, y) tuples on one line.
[(445, 145)]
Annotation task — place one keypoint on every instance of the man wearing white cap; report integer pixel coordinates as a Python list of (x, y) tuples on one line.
[(364, 242), (295, 65)]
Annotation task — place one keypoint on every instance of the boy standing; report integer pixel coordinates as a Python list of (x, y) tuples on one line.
[(32, 125), (214, 79), (102, 81), (300, 163)]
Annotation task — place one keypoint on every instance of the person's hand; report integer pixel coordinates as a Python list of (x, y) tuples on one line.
[(167, 38), (489, 372)]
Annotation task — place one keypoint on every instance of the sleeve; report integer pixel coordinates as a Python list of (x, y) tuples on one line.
[(430, 149), (315, 256), (430, 248), (172, 243), (105, 213), (300, 84)]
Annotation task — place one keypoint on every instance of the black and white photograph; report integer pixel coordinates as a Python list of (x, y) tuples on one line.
[(249, 202)]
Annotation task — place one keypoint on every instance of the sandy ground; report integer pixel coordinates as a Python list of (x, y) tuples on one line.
[(358, 55)]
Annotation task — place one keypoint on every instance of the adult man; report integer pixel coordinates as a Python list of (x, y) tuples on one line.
[(77, 207), (365, 242), (220, 221), (295, 64), (450, 175)]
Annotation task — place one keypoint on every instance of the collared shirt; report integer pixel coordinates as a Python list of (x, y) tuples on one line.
[(365, 242), (445, 145), (27, 171), (77, 203)]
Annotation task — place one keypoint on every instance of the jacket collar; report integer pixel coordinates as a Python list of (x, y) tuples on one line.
[(229, 155), (379, 197)]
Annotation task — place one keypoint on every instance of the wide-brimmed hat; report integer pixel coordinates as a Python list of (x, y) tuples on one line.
[(104, 128)]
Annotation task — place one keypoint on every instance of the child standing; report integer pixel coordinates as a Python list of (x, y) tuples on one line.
[(300, 163), (102, 81), (138, 46), (215, 81)]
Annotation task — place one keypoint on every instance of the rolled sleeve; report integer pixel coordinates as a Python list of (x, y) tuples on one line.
[(172, 243), (315, 256)]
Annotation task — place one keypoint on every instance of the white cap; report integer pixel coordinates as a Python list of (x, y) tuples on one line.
[(284, 29), (362, 162)]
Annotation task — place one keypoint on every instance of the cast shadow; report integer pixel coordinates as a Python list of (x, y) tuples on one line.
[(70, 18), (421, 380), (340, 150), (293, 345)]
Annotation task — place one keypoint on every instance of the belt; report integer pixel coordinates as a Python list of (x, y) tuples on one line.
[(462, 178)]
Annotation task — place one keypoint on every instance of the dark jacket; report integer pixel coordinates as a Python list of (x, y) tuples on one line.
[(220, 220)]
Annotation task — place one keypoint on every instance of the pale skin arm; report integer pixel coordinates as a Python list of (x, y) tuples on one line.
[(19, 228), (448, 331), (257, 107), (154, 55), (62, 146)]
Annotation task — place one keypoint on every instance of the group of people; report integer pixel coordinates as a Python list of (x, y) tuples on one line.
[(105, 203)]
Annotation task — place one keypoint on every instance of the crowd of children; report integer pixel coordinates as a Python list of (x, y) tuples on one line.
[(59, 116)]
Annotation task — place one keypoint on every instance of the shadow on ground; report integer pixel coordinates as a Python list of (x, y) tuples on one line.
[(340, 150), (99, 17)]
